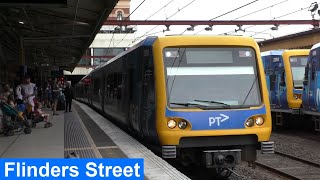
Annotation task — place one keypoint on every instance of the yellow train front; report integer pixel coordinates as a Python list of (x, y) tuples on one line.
[(199, 99)]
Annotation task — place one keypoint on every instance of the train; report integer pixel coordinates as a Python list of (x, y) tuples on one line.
[(284, 71), (311, 85), (293, 84), (198, 99)]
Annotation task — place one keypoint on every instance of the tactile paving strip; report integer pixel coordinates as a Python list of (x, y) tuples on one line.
[(76, 139), (154, 167)]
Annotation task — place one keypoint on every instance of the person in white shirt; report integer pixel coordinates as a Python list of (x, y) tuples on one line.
[(29, 90)]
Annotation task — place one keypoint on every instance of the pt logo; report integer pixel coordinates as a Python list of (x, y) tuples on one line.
[(217, 120)]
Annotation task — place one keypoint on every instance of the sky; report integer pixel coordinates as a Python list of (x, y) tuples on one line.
[(208, 9)]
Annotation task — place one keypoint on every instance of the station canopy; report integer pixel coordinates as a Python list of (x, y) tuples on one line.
[(50, 32)]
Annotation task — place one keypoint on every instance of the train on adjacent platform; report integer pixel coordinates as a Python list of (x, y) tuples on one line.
[(284, 71), (199, 99), (311, 88), (293, 82)]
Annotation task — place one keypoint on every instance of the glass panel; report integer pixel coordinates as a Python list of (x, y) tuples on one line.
[(85, 61), (298, 64), (105, 52), (227, 75)]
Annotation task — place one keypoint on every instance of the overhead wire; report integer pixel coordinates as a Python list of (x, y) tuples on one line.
[(125, 20), (262, 9), (260, 32), (147, 19), (240, 7), (179, 10)]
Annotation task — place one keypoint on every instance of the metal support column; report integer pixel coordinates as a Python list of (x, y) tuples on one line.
[(22, 53)]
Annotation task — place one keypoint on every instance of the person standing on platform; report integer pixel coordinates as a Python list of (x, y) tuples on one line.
[(68, 93), (29, 92), (55, 95)]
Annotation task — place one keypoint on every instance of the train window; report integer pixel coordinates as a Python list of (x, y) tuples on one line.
[(313, 69), (298, 64), (184, 71), (217, 74), (119, 85)]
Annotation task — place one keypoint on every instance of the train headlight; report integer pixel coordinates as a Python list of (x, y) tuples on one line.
[(259, 120), (172, 124), (249, 122), (182, 124)]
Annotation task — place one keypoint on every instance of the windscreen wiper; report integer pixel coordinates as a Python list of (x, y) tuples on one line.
[(190, 104), (215, 102)]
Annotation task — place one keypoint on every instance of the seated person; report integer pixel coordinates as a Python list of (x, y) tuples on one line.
[(10, 101), (39, 114)]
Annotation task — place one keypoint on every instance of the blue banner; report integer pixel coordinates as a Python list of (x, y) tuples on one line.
[(71, 168)]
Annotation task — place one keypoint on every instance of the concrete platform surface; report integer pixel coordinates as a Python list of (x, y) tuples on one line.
[(89, 135), (41, 143)]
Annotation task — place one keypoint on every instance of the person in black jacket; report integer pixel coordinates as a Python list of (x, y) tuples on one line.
[(68, 93)]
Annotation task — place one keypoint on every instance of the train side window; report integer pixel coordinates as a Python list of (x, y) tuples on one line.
[(272, 81), (273, 77), (313, 70), (119, 85), (306, 72), (282, 83)]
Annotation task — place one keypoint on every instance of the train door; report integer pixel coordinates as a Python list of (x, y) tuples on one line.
[(267, 63), (148, 97), (102, 76), (283, 102), (310, 90), (278, 83), (135, 86)]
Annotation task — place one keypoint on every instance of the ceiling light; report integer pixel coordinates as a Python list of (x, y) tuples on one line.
[(21, 22)]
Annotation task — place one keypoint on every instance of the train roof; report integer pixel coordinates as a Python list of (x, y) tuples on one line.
[(207, 40), (146, 42), (282, 51), (315, 46), (182, 40), (272, 52)]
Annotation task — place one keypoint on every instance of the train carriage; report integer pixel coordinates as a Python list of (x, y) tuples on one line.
[(284, 74), (199, 99), (311, 86)]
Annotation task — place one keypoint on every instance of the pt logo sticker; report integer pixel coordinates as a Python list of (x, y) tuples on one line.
[(217, 120)]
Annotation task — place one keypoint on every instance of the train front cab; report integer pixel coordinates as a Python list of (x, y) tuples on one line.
[(311, 93), (211, 99), (284, 71)]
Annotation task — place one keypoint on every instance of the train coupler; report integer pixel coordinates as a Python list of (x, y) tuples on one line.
[(222, 158)]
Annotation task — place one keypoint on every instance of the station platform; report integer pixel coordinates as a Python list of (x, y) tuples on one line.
[(87, 134)]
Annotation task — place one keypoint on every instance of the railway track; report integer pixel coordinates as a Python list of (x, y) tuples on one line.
[(289, 166), (300, 134)]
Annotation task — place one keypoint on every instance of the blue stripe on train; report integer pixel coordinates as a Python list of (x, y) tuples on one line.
[(217, 119)]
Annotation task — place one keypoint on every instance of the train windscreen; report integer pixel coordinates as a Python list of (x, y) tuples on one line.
[(218, 77), (298, 64)]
